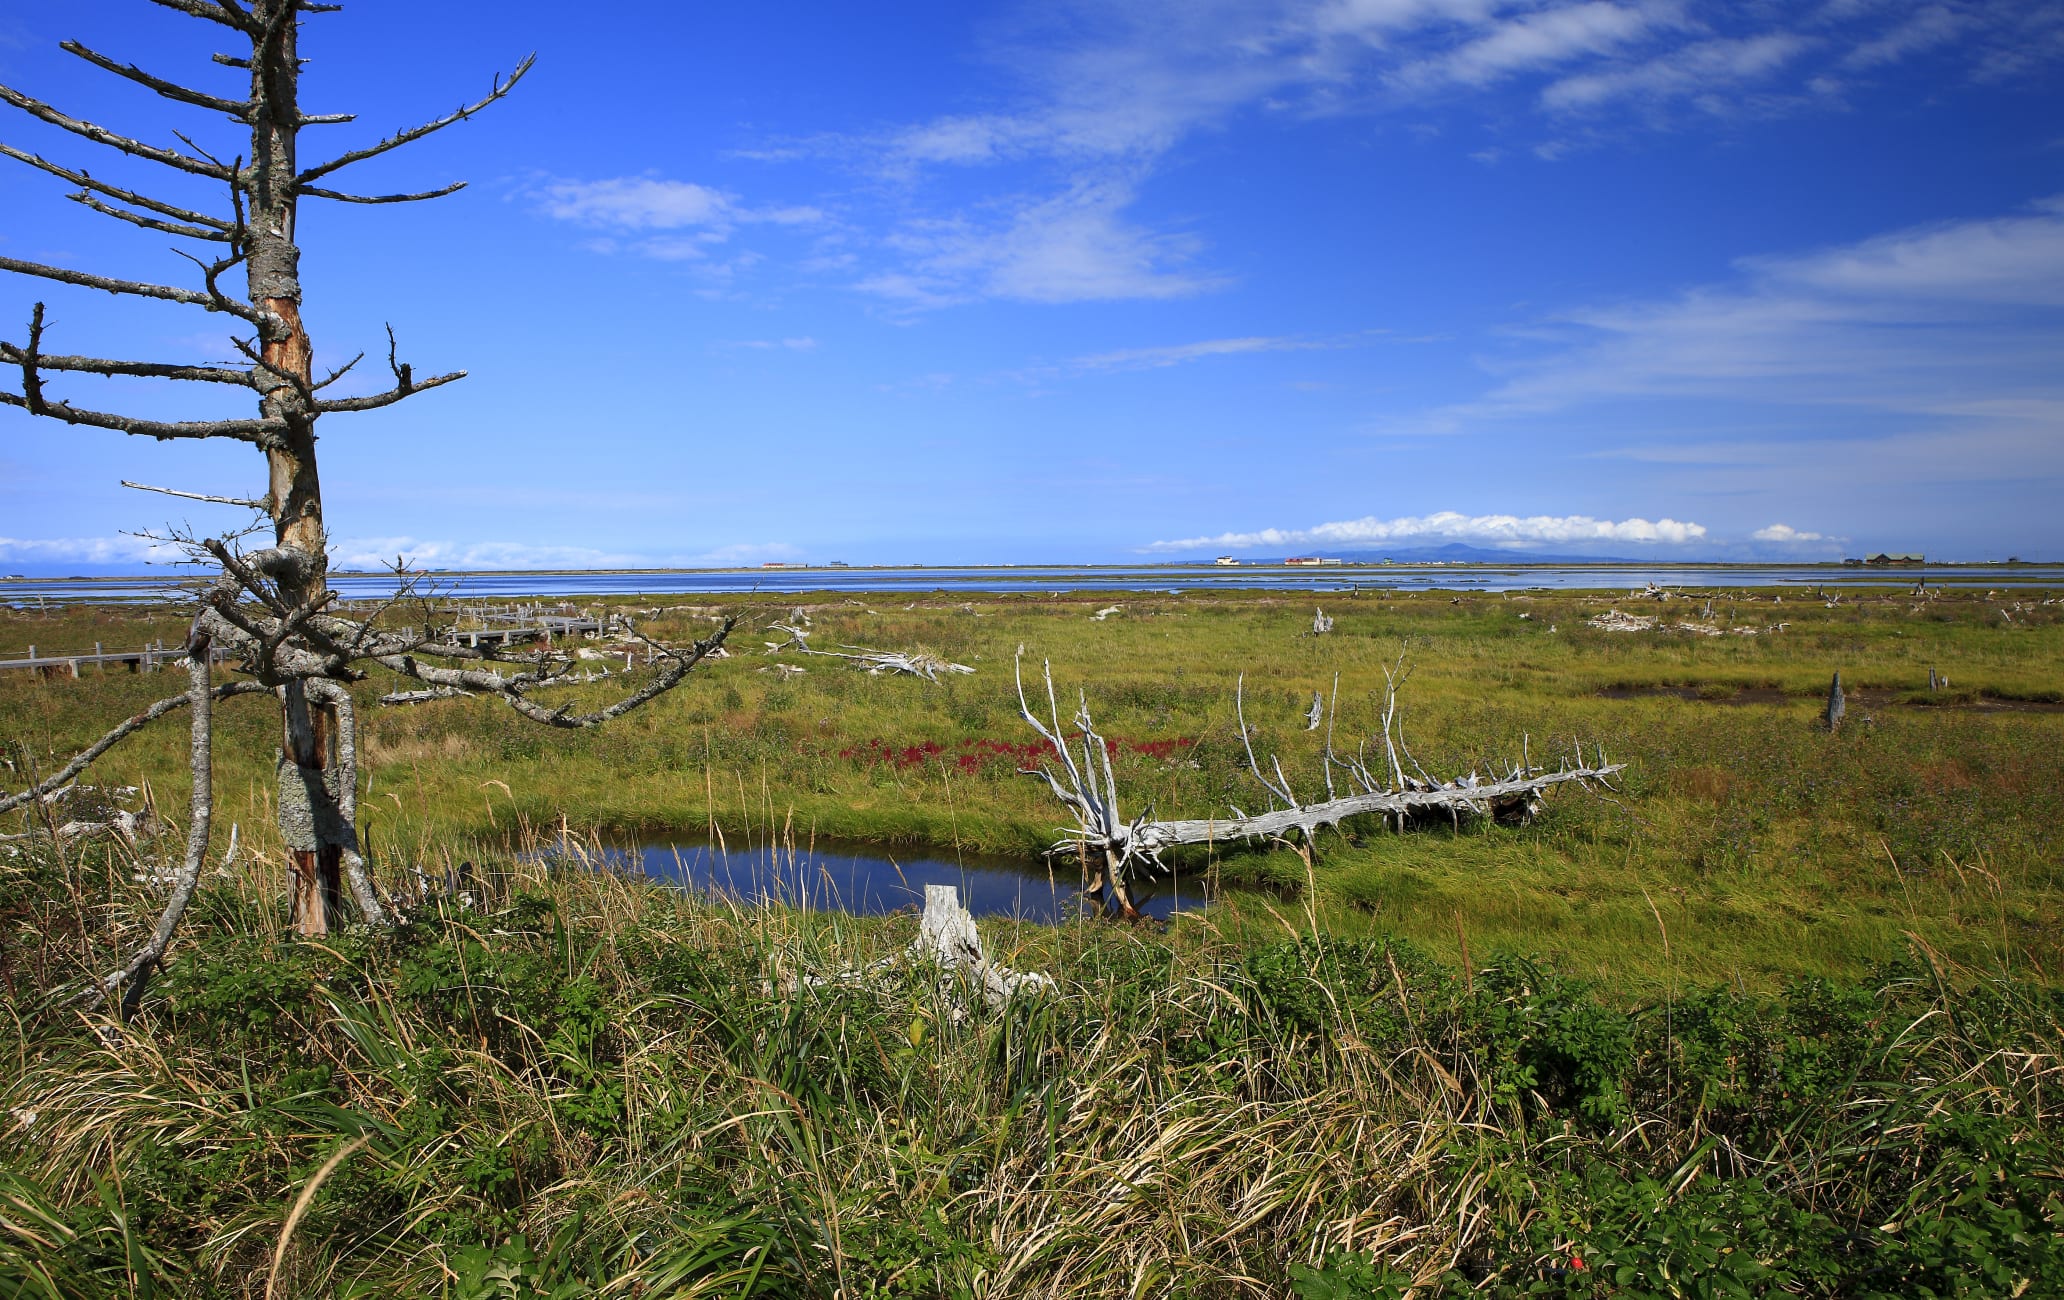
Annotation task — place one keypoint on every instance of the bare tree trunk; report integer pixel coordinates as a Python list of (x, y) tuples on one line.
[(311, 822)]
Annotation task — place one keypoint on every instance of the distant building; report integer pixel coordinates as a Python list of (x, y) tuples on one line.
[(1881, 558), (1312, 559), (1227, 559), (1852, 564)]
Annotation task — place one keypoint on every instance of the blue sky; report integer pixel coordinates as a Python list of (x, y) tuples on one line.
[(1107, 282)]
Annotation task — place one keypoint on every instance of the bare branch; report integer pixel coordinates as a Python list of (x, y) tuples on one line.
[(260, 431), (240, 110), (262, 503), (215, 11), (317, 193), (101, 135), (134, 369), (201, 755), (391, 396), (336, 374), (513, 689), (127, 728), (136, 288), (413, 134), (149, 223), (327, 119), (130, 197), (212, 271)]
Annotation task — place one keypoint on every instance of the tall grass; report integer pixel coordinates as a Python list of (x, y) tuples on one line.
[(579, 1083)]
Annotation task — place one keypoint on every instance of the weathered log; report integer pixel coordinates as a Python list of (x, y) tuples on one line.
[(875, 662), (1121, 851)]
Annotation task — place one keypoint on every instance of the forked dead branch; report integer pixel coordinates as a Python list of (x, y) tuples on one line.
[(1119, 852)]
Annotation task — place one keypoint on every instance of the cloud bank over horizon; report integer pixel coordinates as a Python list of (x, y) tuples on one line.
[(1513, 531)]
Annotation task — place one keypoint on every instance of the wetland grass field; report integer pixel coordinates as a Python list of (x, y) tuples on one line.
[(1779, 1015)]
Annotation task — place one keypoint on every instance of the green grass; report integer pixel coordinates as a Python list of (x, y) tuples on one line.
[(1762, 847), (586, 1085)]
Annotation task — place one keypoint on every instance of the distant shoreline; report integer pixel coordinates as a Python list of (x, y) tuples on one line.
[(1033, 569)]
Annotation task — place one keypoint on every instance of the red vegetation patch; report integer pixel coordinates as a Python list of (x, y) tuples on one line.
[(977, 753)]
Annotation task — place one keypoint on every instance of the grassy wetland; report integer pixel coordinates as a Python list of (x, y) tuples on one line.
[(1779, 1015)]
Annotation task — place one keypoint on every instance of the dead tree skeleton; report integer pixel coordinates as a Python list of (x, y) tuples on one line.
[(875, 662), (270, 609), (1118, 851)]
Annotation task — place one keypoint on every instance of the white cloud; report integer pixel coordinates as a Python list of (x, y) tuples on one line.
[(1074, 247), (665, 220), (378, 554), (1451, 526), (1932, 26), (1915, 321), (2003, 260), (635, 203), (1786, 533), (1697, 72), (801, 344), (1177, 354), (122, 549), (1536, 40)]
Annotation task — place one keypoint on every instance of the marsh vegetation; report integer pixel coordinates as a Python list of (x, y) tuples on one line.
[(1780, 1016)]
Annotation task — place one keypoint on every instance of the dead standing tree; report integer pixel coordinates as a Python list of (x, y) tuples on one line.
[(270, 608), (1120, 852)]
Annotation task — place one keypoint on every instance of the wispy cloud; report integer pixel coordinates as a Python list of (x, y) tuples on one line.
[(1703, 73), (1156, 358), (666, 220), (654, 203), (379, 553), (1914, 321), (1077, 246), (1513, 531), (1093, 98), (800, 344), (120, 549)]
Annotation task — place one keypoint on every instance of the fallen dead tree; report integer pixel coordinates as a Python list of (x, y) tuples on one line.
[(875, 662), (1613, 620), (1119, 851)]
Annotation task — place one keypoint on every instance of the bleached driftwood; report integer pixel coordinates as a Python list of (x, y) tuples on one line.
[(914, 662), (946, 936), (1120, 851), (1320, 624), (1613, 620), (393, 698), (92, 813)]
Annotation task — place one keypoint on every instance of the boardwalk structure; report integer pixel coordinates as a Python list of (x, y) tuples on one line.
[(149, 658)]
